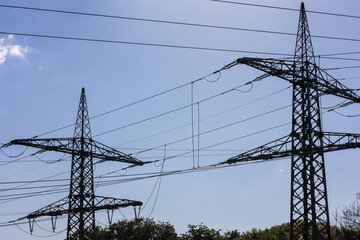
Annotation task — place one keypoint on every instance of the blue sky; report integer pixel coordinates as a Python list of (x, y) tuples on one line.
[(41, 81)]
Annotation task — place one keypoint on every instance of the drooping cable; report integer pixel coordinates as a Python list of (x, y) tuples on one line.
[(158, 190), (176, 109), (215, 129), (206, 118)]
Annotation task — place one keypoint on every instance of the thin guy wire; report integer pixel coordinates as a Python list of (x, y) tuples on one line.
[(192, 123), (198, 145)]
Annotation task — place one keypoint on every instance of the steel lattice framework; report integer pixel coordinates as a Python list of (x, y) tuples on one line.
[(81, 202), (307, 142), (81, 194), (309, 203)]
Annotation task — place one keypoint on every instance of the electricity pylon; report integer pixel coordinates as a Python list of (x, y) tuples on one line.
[(81, 204), (307, 142)]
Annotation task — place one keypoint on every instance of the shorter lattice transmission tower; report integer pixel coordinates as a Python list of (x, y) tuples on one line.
[(81, 204)]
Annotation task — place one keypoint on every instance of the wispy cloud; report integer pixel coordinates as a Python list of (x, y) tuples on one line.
[(8, 49)]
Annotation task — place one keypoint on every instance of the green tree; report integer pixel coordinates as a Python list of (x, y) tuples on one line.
[(140, 229), (201, 232)]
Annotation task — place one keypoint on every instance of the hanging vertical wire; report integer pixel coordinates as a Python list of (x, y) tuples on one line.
[(160, 177), (198, 135), (158, 181), (320, 101), (192, 123)]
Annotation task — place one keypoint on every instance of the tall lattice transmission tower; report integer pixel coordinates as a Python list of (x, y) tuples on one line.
[(81, 203), (307, 143)]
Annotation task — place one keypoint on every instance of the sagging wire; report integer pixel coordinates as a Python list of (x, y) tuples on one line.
[(216, 144), (345, 115), (15, 156), (208, 98), (49, 162), (206, 118), (43, 228), (156, 183), (158, 190), (38, 235), (192, 109), (251, 87), (212, 81)]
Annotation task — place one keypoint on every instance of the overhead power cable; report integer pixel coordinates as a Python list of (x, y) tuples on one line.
[(203, 119), (224, 142), (215, 129), (130, 104), (170, 22), (174, 110), (339, 68), (172, 46), (287, 8), (336, 54), (143, 43), (11, 197)]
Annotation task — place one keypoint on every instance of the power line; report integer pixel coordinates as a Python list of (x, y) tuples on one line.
[(11, 197), (215, 129), (335, 54), (171, 111), (172, 22), (203, 119), (227, 141), (142, 43), (339, 68), (286, 8), (170, 45)]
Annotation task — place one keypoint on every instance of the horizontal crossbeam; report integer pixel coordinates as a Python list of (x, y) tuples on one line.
[(281, 147), (66, 145), (101, 203), (284, 69)]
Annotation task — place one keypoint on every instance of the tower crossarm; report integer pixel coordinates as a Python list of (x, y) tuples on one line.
[(66, 145), (337, 141), (276, 149), (106, 153), (101, 203), (281, 148), (285, 69)]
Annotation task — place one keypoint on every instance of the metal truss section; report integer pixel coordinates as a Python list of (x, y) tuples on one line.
[(60, 207), (276, 149), (317, 78), (81, 224), (66, 145), (309, 204), (282, 147)]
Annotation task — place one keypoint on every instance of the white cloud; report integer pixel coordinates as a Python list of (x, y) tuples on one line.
[(17, 50), (7, 49), (3, 53)]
